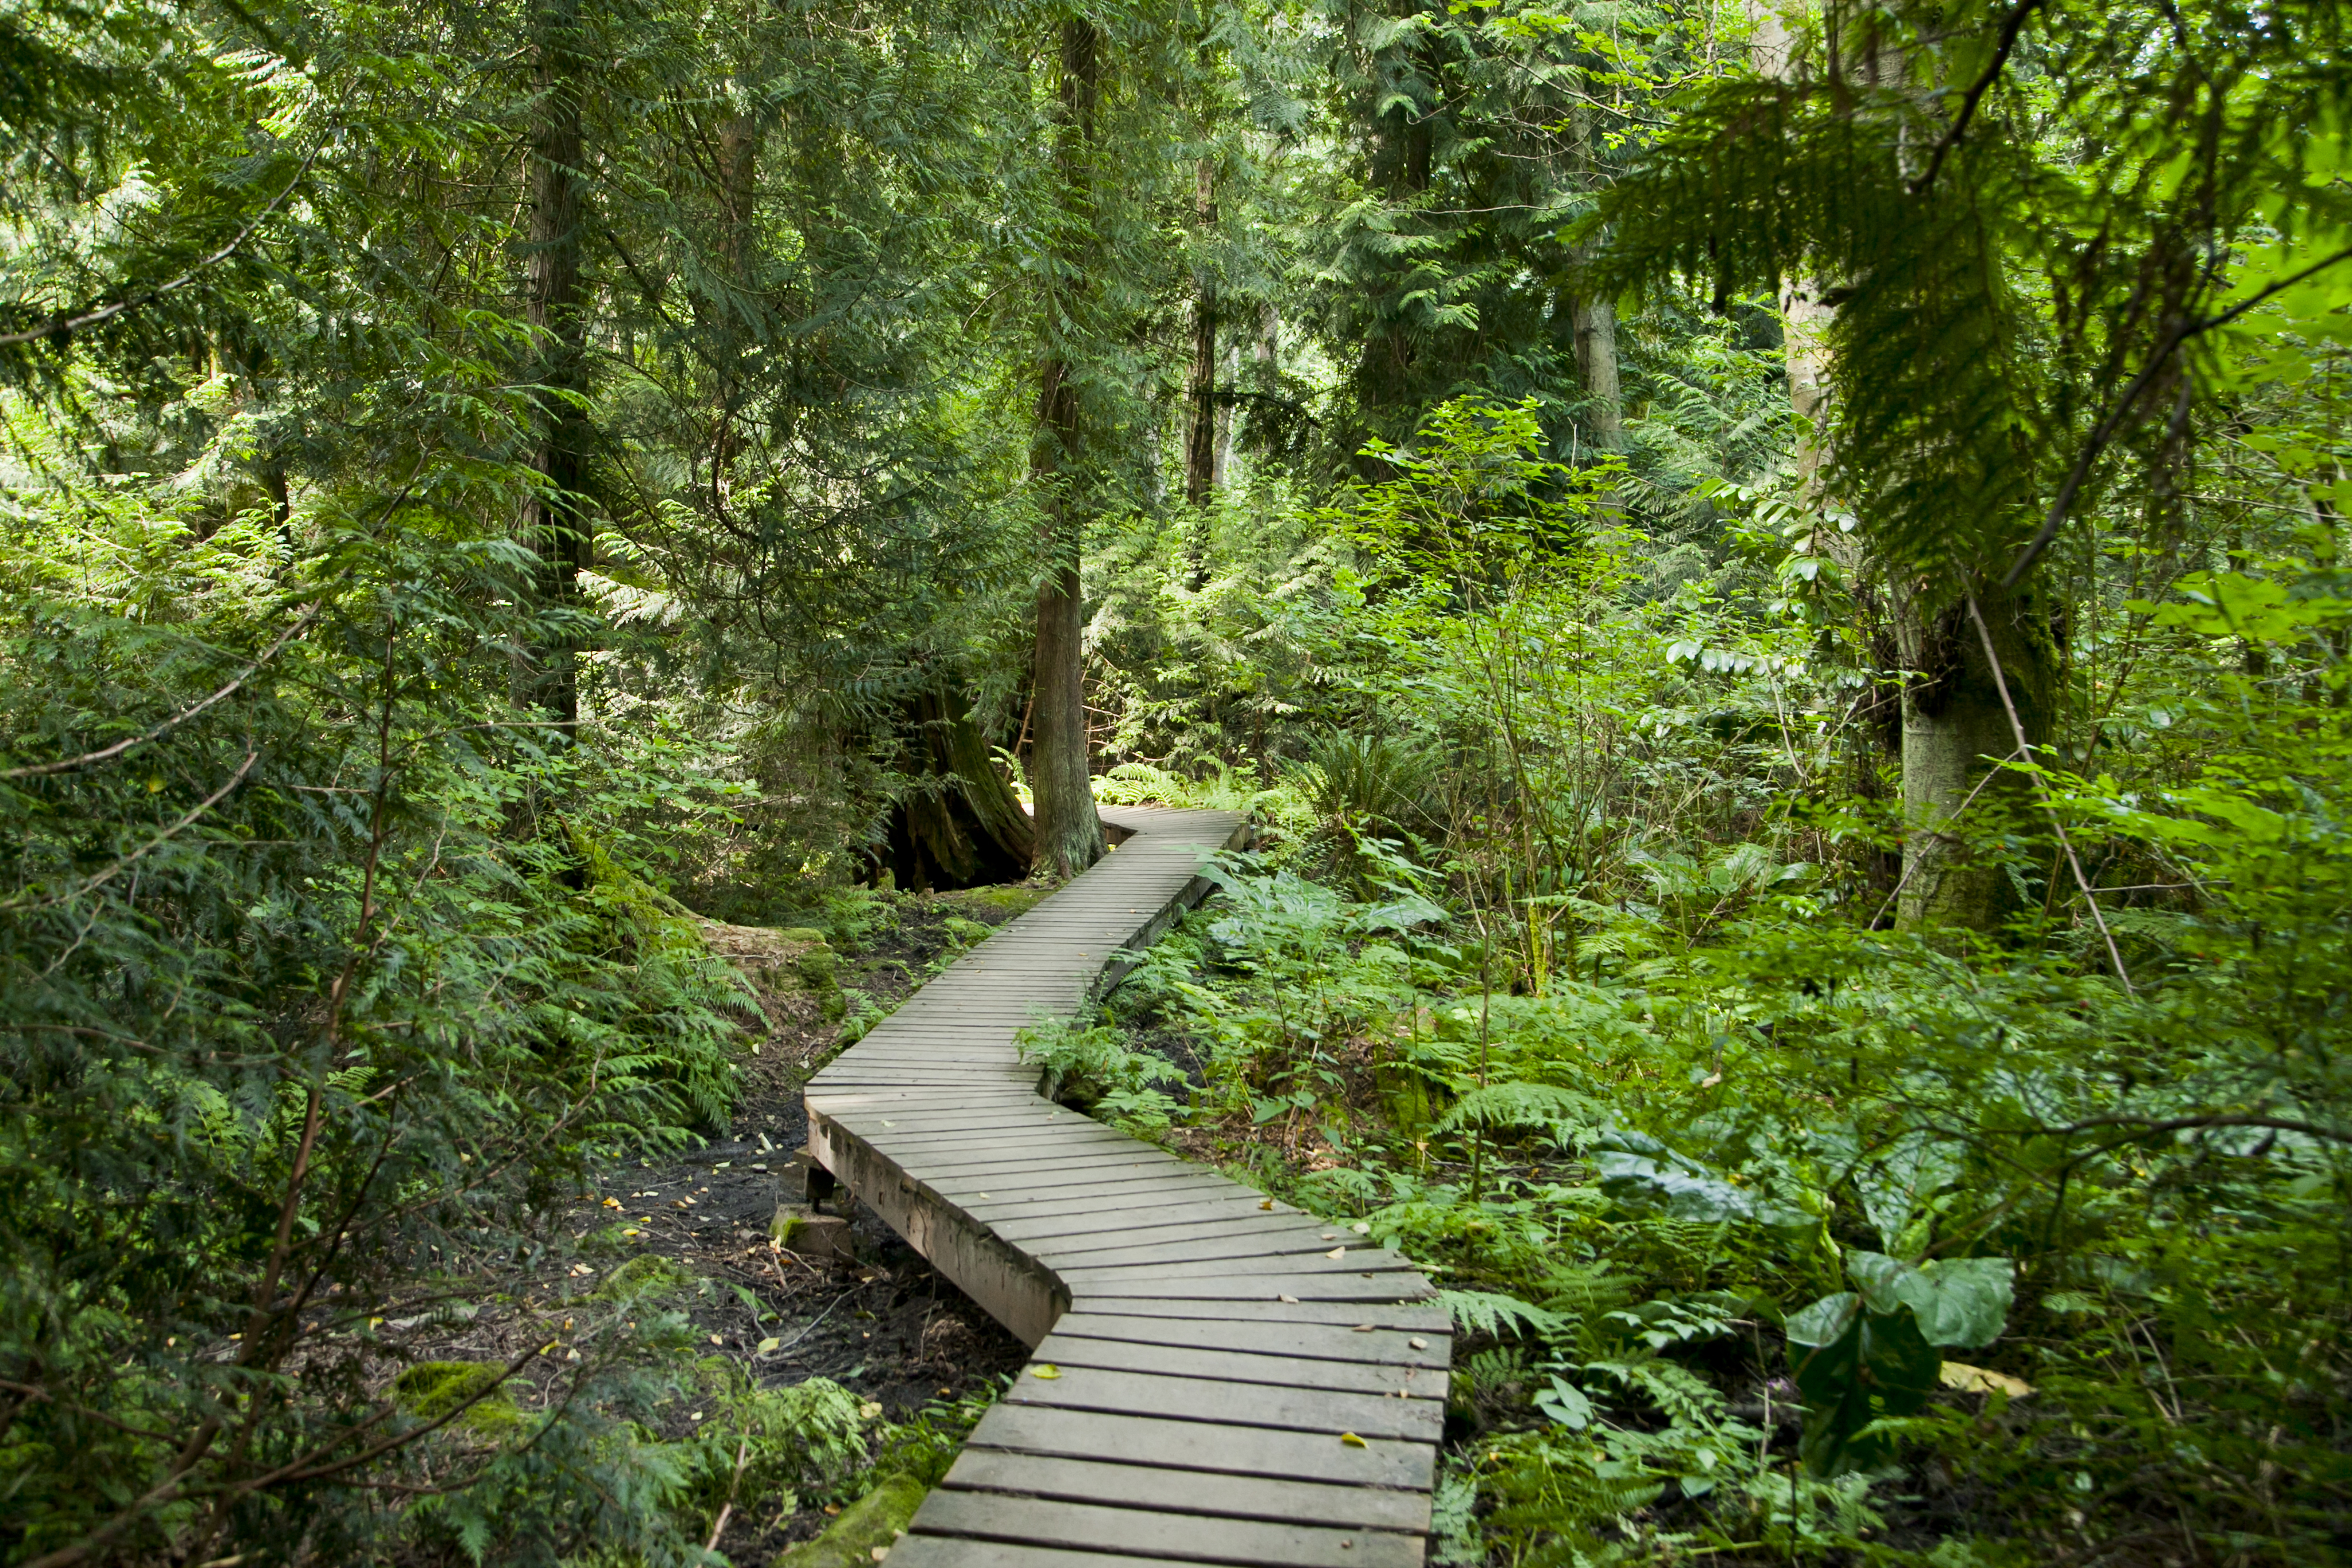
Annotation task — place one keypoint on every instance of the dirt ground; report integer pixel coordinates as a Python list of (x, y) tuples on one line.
[(880, 1322)]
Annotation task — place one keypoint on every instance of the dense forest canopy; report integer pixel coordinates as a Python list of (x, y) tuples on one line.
[(1773, 575)]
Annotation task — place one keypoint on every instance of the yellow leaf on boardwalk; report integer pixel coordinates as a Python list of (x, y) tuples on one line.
[(1353, 1441), (1047, 1372)]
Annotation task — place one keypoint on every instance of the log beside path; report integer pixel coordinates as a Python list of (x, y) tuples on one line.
[(1217, 1377)]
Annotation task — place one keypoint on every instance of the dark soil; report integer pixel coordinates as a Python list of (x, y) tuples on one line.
[(882, 1324)]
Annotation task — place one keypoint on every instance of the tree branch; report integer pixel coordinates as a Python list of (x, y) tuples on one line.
[(2010, 27), (59, 328), (107, 754), (2112, 422)]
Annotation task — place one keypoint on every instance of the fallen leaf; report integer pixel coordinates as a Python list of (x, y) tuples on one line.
[(1418, 1343), (1049, 1372), (1292, 1299), (768, 1345), (1363, 1328), (716, 1340), (612, 1203), (880, 1552), (1265, 1203), (1360, 1229), (1353, 1441), (1970, 1379), (870, 1410), (1336, 1252)]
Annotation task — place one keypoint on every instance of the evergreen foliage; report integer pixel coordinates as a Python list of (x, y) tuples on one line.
[(1773, 576)]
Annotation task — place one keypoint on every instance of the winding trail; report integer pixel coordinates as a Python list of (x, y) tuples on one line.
[(1217, 1377)]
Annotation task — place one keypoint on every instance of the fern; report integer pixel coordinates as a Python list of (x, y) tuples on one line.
[(1562, 1112), (1488, 1312)]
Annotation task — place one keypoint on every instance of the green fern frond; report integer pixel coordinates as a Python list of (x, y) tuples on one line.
[(1489, 1313)]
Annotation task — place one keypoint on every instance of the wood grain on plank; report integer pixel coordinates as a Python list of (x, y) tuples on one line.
[(1181, 1491), (1181, 1538)]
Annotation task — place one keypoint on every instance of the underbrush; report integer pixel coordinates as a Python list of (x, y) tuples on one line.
[(1794, 1243)]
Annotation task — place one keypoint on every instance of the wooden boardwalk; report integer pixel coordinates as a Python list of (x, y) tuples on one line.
[(1217, 1377)]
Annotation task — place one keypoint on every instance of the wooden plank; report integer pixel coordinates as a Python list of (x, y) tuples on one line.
[(1315, 1263), (1063, 1348), (1181, 1538), (920, 1135), (1405, 1317), (1181, 1491), (987, 1200), (1236, 1404), (1057, 1198), (1201, 1242), (946, 1131), (1141, 1218), (1299, 1341), (1202, 1221), (1048, 1159), (1223, 1449), (939, 1552)]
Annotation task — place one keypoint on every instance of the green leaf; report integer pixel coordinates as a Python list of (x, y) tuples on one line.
[(1855, 1366), (1961, 1302)]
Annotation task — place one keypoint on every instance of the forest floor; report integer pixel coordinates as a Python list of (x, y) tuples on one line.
[(879, 1322)]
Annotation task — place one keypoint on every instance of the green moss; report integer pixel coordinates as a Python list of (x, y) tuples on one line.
[(878, 1519), (432, 1389), (820, 969), (1404, 1095), (647, 1274), (966, 931), (802, 934), (1011, 897)]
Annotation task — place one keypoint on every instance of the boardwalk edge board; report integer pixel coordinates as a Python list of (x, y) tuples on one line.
[(1229, 1400)]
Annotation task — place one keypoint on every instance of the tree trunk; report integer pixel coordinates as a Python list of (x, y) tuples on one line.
[(1221, 463), (960, 825), (737, 171), (1069, 834), (548, 677), (1956, 726), (1200, 393), (1596, 367), (1201, 390)]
